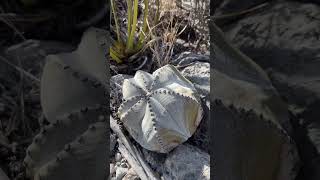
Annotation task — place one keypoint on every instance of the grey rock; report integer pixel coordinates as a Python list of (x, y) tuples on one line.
[(187, 58), (113, 141), (123, 160), (131, 175), (124, 165), (199, 74), (112, 169), (118, 157), (233, 6), (121, 172), (187, 162)]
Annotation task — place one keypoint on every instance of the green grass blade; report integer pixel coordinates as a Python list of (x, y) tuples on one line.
[(116, 20), (114, 56), (156, 18), (142, 37), (134, 25), (129, 4)]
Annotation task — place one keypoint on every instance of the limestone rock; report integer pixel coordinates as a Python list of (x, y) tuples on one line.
[(187, 162)]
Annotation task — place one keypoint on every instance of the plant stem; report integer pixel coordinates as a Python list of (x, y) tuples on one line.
[(156, 18), (115, 56), (142, 37), (116, 20), (129, 4), (134, 25)]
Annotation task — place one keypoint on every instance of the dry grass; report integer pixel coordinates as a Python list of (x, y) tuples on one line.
[(174, 21), (167, 5), (162, 37), (162, 46)]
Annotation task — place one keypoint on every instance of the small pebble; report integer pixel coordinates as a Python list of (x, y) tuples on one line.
[(113, 141), (112, 169), (118, 164), (118, 157), (121, 172), (124, 165), (131, 175), (123, 160)]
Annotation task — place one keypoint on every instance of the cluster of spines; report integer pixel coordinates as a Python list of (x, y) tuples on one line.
[(123, 116), (145, 83), (154, 125), (126, 101), (83, 78), (136, 86), (103, 43), (245, 112), (175, 93), (91, 82)]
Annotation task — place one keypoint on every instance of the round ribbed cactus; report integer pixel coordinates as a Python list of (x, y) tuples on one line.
[(161, 110), (251, 127), (74, 144)]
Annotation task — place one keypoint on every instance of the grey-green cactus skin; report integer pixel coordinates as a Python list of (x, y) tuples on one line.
[(243, 83), (251, 131), (250, 146), (73, 85)]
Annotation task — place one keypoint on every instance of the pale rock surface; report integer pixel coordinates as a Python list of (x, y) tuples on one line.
[(187, 162)]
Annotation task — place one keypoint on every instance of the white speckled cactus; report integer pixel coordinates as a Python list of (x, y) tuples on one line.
[(161, 110), (74, 145), (251, 127)]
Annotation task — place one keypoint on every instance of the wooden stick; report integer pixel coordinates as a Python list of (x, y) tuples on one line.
[(132, 154)]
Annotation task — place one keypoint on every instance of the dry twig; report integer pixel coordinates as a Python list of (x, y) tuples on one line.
[(132, 154)]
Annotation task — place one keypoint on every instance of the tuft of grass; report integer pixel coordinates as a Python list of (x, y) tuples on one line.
[(123, 48), (162, 46)]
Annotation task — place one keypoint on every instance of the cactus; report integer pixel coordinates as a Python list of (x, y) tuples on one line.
[(248, 146), (161, 110), (74, 144), (243, 83), (251, 127)]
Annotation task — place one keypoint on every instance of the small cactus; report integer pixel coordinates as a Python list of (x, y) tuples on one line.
[(251, 127), (74, 145), (161, 110)]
